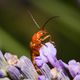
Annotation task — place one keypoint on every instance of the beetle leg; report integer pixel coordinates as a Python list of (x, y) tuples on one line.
[(50, 39), (48, 36)]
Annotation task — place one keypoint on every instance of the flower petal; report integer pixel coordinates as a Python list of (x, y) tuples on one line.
[(46, 71), (14, 73), (48, 49), (48, 54), (74, 67), (27, 68), (2, 61), (39, 61), (62, 64)]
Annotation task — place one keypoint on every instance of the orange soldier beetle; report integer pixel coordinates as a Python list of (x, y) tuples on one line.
[(38, 40)]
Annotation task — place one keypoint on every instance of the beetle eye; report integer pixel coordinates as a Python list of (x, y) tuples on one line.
[(43, 33)]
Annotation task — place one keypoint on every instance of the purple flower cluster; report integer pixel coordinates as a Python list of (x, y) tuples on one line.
[(14, 68), (60, 70)]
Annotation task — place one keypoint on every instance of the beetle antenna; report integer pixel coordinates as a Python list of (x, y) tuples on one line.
[(33, 19), (48, 21)]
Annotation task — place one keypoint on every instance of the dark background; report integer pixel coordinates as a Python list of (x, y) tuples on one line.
[(17, 27)]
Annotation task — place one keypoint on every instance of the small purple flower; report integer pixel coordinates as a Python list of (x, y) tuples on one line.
[(48, 50), (58, 75), (73, 67), (47, 54), (16, 69), (11, 59), (6, 68)]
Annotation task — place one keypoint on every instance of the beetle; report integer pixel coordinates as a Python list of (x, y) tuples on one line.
[(38, 40)]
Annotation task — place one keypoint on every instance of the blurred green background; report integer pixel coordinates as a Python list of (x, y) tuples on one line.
[(17, 27)]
